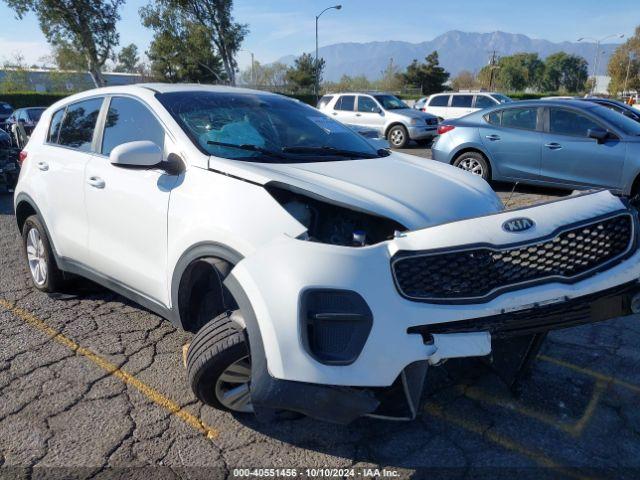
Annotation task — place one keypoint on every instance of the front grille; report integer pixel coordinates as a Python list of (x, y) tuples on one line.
[(432, 121), (480, 273)]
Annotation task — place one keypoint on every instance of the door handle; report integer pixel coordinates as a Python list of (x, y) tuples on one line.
[(44, 166), (493, 137), (96, 182), (358, 114), (334, 113), (553, 146)]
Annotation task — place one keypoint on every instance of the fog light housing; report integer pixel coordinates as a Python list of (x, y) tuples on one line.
[(335, 325)]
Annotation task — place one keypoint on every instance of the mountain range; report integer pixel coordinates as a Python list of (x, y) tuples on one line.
[(457, 50)]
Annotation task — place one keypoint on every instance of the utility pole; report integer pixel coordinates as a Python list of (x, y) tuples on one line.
[(492, 66), (626, 78)]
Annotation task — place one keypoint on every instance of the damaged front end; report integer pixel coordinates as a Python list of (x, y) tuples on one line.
[(338, 332)]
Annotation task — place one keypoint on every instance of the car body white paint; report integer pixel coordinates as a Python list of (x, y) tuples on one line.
[(135, 230)]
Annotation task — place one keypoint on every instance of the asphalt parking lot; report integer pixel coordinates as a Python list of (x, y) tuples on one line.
[(91, 386)]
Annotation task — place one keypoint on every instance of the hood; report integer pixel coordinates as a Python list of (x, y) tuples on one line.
[(415, 192), (411, 113)]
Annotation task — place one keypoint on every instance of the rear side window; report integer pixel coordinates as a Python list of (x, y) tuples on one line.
[(54, 128), (79, 124), (129, 121), (346, 102), (525, 118), (566, 122), (325, 100), (493, 118), (482, 101), (439, 101), (462, 101)]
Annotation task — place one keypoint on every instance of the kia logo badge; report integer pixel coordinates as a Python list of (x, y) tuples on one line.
[(516, 225)]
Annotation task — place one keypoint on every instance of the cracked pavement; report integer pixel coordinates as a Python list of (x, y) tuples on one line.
[(63, 416)]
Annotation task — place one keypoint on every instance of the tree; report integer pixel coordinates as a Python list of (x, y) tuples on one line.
[(16, 78), (564, 73), (68, 58), (212, 17), (514, 73), (430, 77), (624, 66), (185, 56), (88, 26), (127, 59), (465, 80), (302, 76), (391, 80)]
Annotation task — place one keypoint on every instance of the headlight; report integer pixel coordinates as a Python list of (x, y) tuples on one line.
[(329, 222)]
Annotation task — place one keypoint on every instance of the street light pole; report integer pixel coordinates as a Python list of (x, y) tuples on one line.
[(597, 55), (626, 78), (317, 73)]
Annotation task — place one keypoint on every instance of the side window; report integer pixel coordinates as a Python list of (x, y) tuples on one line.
[(128, 120), (566, 122), (493, 118), (324, 101), (525, 118), (482, 101), (23, 116), (367, 104), (54, 128), (462, 101), (439, 101), (346, 102), (79, 123)]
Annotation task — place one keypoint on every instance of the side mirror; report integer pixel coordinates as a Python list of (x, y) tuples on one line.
[(599, 134), (136, 154)]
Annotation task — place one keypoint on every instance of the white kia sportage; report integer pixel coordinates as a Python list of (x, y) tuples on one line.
[(313, 268)]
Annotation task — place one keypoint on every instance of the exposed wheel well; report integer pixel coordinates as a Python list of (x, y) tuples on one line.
[(23, 211), (386, 133), (202, 295)]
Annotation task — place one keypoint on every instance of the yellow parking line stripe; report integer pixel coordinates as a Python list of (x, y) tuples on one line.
[(113, 370), (591, 373), (574, 429), (501, 440)]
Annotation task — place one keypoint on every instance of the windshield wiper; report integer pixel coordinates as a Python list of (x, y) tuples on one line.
[(250, 148), (326, 150)]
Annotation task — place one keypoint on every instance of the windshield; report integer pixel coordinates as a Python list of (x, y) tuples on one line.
[(501, 98), (263, 128), (623, 123), (35, 113), (389, 102)]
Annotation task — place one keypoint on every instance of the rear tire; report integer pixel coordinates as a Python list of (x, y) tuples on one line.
[(398, 136), (219, 365), (41, 263), (474, 162)]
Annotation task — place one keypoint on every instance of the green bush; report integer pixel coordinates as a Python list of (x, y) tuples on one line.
[(31, 99)]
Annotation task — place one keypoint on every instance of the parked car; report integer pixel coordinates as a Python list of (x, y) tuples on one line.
[(383, 112), (5, 111), (5, 140), (28, 117), (620, 107), (419, 105), (562, 143), (318, 272), (456, 105)]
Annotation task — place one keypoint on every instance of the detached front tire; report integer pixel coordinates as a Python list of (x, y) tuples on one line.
[(45, 274), (219, 365)]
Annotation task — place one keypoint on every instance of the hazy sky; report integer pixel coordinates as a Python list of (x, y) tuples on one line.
[(282, 27)]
